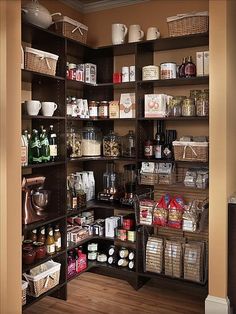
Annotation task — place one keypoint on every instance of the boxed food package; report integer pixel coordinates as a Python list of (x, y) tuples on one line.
[(155, 105), (160, 212), (206, 62), (173, 258), (146, 211), (199, 63), (127, 105), (114, 109), (90, 73), (193, 261), (111, 223), (154, 255)]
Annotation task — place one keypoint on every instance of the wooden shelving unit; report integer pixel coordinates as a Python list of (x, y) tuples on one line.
[(56, 88)]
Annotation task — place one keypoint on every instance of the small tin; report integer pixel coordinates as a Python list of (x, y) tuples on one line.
[(150, 72), (92, 247), (131, 236), (128, 223), (117, 77), (168, 70), (92, 256), (122, 234)]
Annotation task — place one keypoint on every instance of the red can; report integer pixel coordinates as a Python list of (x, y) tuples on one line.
[(128, 223), (117, 77)]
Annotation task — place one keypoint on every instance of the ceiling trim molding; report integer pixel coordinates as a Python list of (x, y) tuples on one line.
[(99, 5)]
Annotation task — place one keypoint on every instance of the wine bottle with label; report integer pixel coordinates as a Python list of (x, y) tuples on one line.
[(52, 138), (45, 148), (35, 148), (159, 141)]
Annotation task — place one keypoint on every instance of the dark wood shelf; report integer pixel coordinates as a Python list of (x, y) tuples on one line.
[(99, 119), (175, 118), (189, 163), (31, 300), (28, 76), (156, 275), (200, 80), (44, 165), (40, 117), (161, 44), (91, 238), (26, 268), (100, 158), (48, 220)]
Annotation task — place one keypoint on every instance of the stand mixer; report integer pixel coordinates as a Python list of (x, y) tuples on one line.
[(34, 199)]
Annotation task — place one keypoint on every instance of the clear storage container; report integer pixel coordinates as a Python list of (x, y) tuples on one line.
[(91, 141), (74, 143), (112, 145)]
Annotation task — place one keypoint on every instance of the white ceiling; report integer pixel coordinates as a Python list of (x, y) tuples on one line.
[(86, 6)]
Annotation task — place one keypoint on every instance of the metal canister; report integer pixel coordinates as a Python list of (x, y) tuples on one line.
[(168, 70), (150, 72)]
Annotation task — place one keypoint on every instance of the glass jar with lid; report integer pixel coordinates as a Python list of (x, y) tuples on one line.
[(175, 106), (188, 108), (112, 145), (202, 105), (128, 145), (93, 109), (74, 143), (91, 140), (103, 112)]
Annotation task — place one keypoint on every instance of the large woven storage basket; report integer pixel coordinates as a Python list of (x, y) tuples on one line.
[(24, 288), (70, 28), (44, 281), (191, 151), (40, 61), (188, 24)]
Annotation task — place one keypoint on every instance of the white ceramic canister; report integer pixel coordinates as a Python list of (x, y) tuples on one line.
[(168, 70), (150, 72)]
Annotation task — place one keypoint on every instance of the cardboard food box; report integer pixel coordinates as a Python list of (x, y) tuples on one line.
[(90, 70), (206, 62), (155, 105), (114, 109), (127, 105), (199, 63)]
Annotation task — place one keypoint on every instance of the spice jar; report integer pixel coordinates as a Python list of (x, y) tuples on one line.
[(27, 243), (28, 255), (194, 93), (202, 105), (40, 250), (103, 112), (91, 141), (93, 109), (112, 145), (188, 108), (74, 143)]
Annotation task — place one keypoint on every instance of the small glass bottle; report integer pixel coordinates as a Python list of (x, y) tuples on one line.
[(128, 145), (57, 238), (190, 68), (148, 149), (33, 235), (42, 236), (50, 242), (182, 68)]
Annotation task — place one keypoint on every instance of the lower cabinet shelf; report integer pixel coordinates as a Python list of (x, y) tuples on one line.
[(31, 300)]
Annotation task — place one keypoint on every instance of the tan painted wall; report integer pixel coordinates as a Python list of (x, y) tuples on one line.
[(10, 167), (152, 13)]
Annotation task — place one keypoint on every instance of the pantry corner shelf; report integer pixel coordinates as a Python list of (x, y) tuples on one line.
[(40, 117), (26, 268), (100, 158), (44, 165), (199, 80), (29, 76), (194, 118), (48, 220)]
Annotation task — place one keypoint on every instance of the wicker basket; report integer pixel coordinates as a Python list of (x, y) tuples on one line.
[(191, 151), (44, 281), (40, 61), (24, 288), (70, 28), (148, 178), (188, 24)]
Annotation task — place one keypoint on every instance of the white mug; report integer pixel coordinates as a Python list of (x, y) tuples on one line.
[(48, 108), (33, 107), (119, 31), (153, 33), (135, 33)]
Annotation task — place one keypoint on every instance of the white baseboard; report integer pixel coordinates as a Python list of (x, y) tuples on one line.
[(215, 305)]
